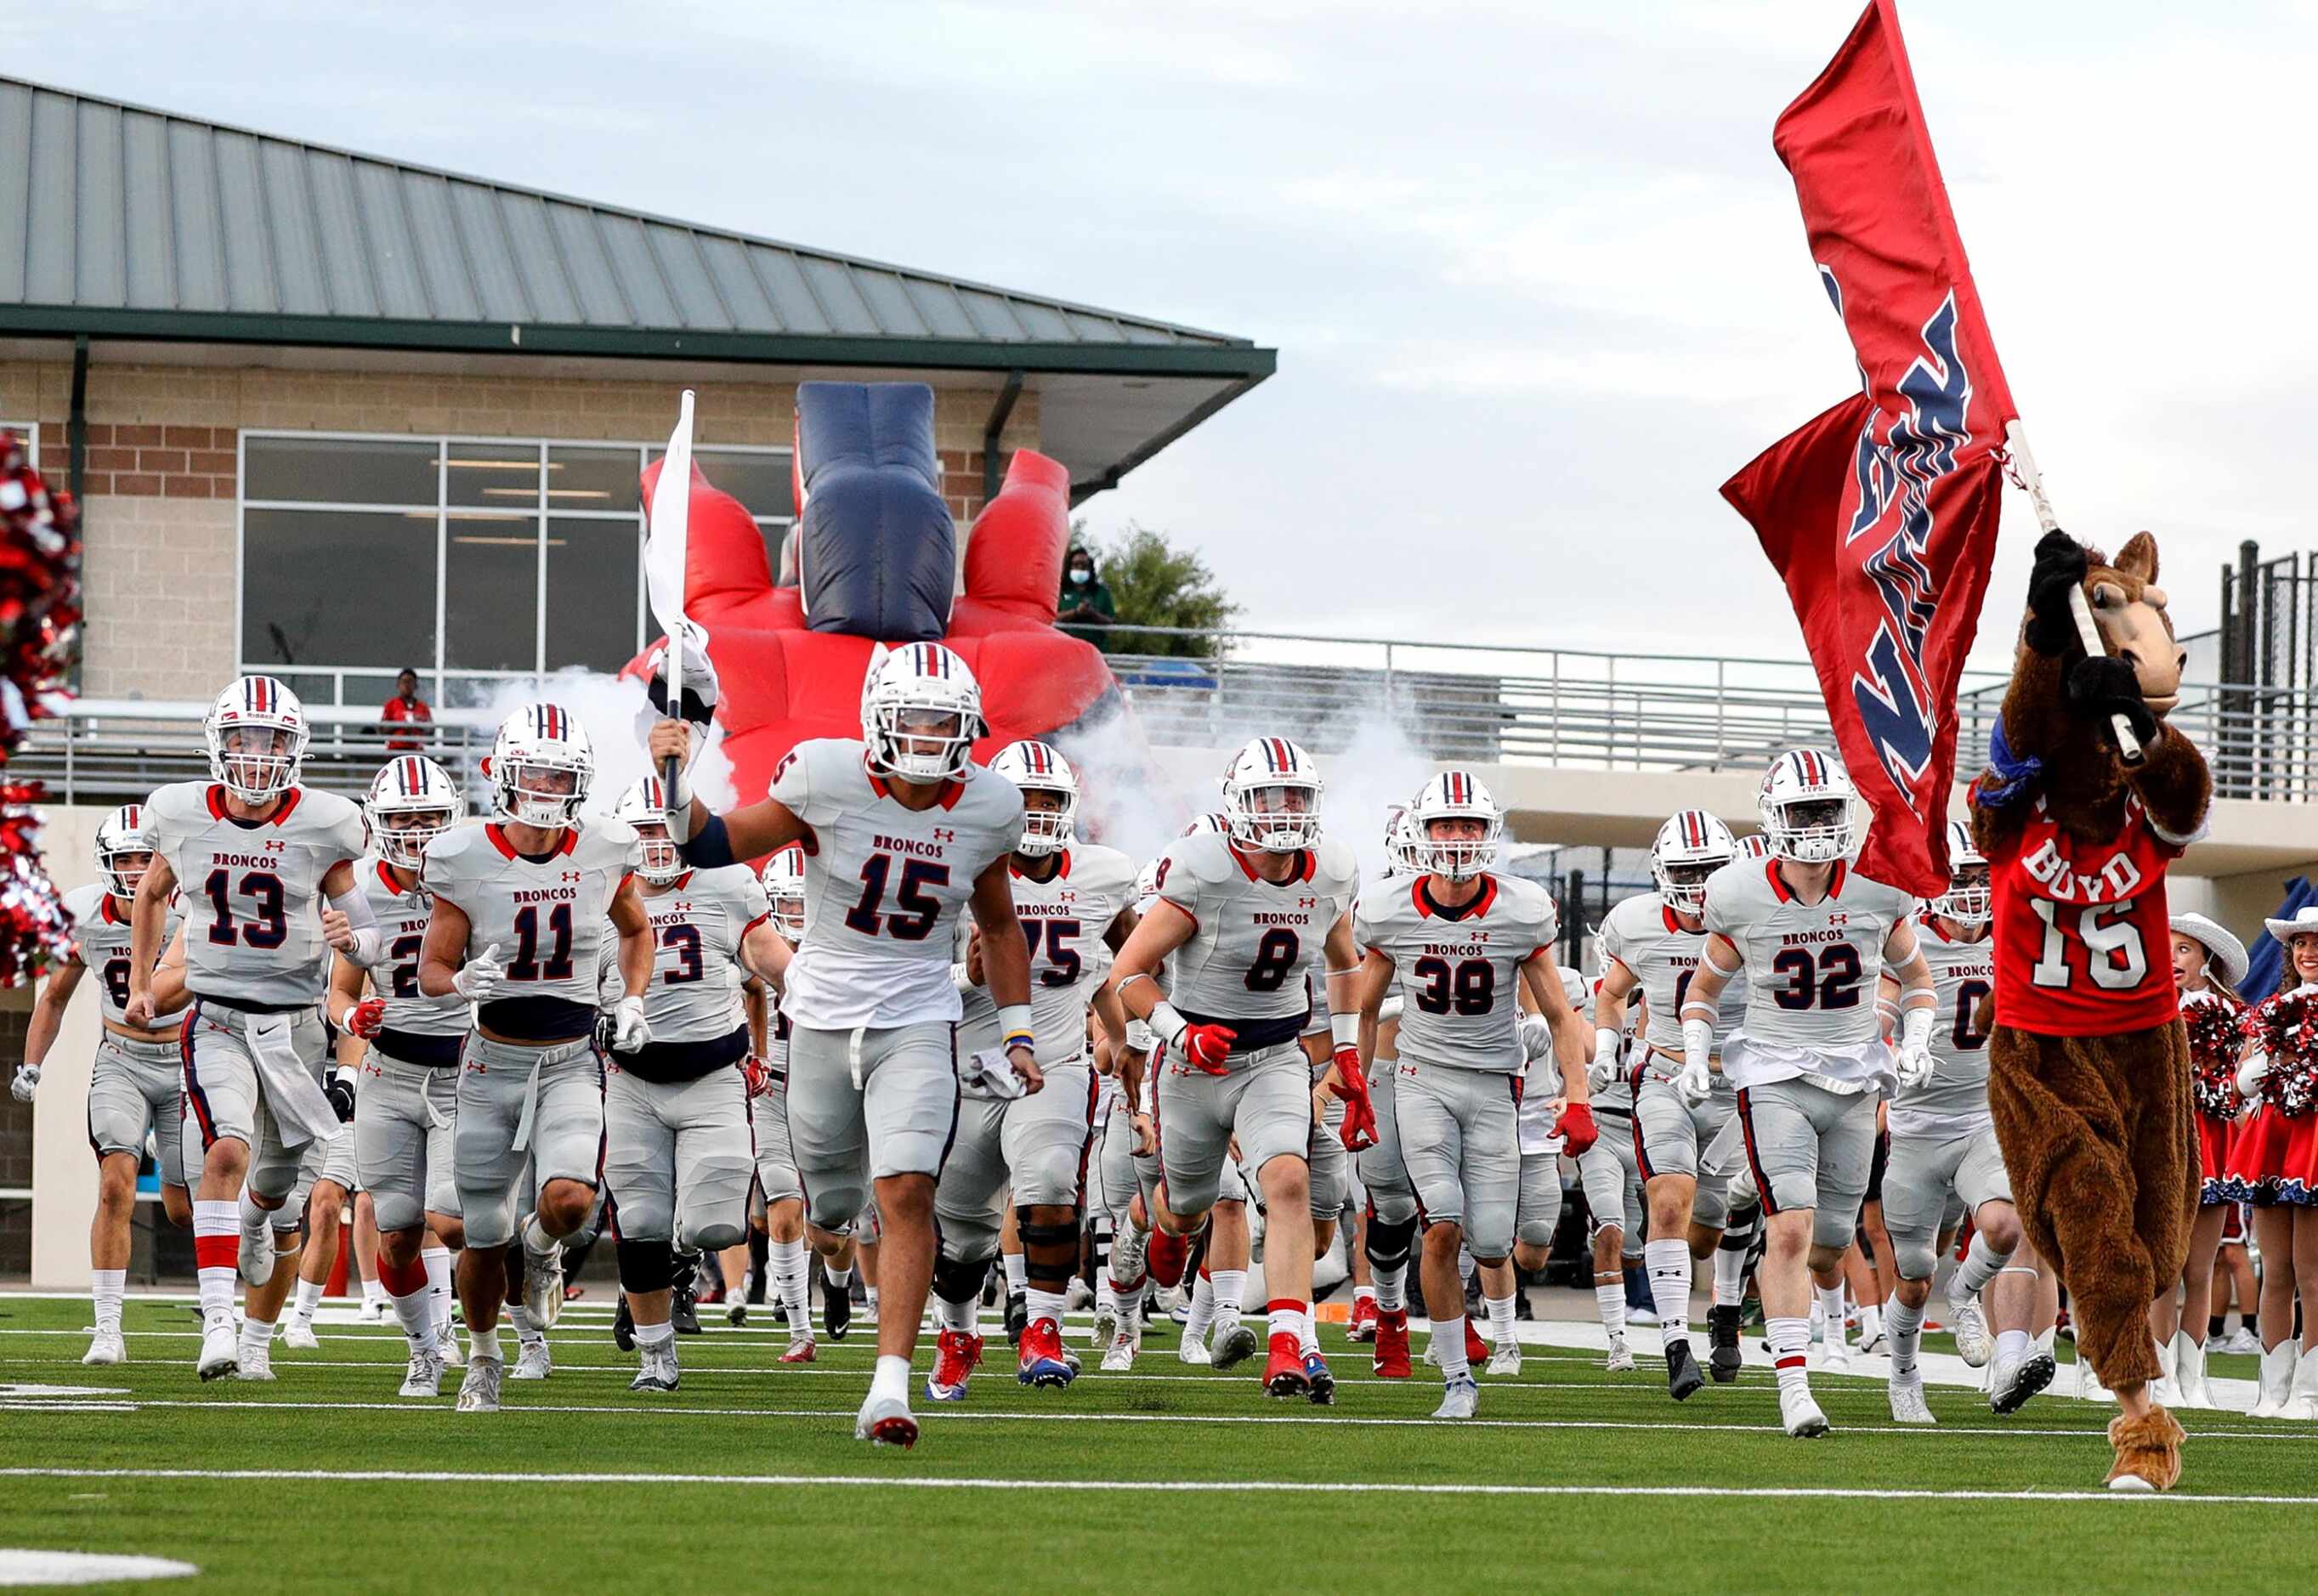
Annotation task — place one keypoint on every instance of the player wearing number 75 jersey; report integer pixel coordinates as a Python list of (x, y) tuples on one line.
[(522, 906), (1813, 937), (901, 832), (267, 871)]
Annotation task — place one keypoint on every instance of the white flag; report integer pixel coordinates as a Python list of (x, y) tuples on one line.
[(664, 540)]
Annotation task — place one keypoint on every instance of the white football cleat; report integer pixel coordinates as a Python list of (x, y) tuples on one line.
[(1973, 1342), (479, 1393), (1106, 1327), (531, 1362), (1459, 1399), (1908, 1403), (1506, 1359), (220, 1352), (2012, 1381), (886, 1422), (1835, 1355), (372, 1312), (299, 1337), (256, 1361), (1622, 1357), (105, 1349), (424, 1377), (542, 1285), (1233, 1347), (1801, 1414), (1120, 1357), (1191, 1349), (657, 1370), (446, 1344)]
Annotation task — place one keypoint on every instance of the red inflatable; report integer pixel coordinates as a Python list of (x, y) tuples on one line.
[(781, 682)]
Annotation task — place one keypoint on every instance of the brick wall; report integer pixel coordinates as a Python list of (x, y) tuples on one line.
[(159, 573), (146, 459)]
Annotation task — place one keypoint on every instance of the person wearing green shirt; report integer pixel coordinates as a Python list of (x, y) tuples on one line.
[(1085, 602)]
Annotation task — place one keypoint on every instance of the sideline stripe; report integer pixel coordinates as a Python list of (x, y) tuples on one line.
[(908, 1483)]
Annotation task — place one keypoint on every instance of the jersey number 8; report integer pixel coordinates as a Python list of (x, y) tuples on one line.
[(1469, 988), (1277, 956)]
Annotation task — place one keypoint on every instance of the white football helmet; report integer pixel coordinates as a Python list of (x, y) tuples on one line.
[(644, 806), (1213, 822), (256, 737), (1692, 846), (1970, 900), (1400, 843), (123, 832), (1147, 885), (421, 794), (1036, 767), (1271, 797), (1809, 807), (540, 766), (784, 879), (920, 712), (1754, 846), (1456, 795)]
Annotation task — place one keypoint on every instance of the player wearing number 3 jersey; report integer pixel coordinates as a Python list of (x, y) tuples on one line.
[(901, 832), (1808, 1063)]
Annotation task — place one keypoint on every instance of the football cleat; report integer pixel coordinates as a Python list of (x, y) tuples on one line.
[(736, 1311), (836, 1309), (1043, 1361), (1477, 1350), (1835, 1352), (1232, 1345), (1106, 1327), (888, 1422), (1801, 1414), (372, 1312), (624, 1325), (1018, 1317), (658, 1371), (1323, 1381), (1507, 1359), (1283, 1370), (1724, 1359), (1391, 1359), (220, 1352), (801, 1349), (1365, 1313), (2012, 1383), (1120, 1357), (447, 1344), (543, 1285), (1682, 1379), (256, 1361), (1622, 1357), (299, 1337), (424, 1377), (1908, 1403), (956, 1353), (479, 1393), (683, 1307), (1459, 1399), (1972, 1343), (105, 1349), (1191, 1349), (533, 1361)]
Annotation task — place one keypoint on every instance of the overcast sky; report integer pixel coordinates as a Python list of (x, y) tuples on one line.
[(1537, 282)]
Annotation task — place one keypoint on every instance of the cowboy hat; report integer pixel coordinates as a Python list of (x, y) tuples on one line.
[(2305, 923), (2226, 949)]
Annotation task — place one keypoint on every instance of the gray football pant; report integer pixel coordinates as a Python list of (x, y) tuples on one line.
[(1461, 1138), (404, 1119), (1810, 1148), (518, 1105), (134, 1086), (867, 1104), (1265, 1102), (1037, 1145), (1918, 1181), (676, 1158)]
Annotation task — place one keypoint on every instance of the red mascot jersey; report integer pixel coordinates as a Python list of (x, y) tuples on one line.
[(2083, 946)]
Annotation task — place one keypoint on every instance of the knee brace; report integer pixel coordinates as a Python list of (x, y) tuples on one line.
[(960, 1280), (1388, 1241), (1051, 1252), (646, 1265)]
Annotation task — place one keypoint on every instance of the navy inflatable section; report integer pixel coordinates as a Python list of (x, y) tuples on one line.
[(877, 553)]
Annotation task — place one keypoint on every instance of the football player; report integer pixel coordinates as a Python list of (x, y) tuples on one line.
[(677, 1154), (784, 1244), (1074, 902), (1651, 942), (1237, 914), (405, 1047), (1611, 1176), (268, 872), (537, 885), (1944, 1144), (1810, 1059), (901, 831), (1390, 1231), (137, 1079)]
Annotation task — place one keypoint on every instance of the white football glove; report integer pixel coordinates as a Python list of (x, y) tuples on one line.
[(1698, 1040), (630, 1030), (1696, 1081), (1536, 1037), (27, 1081), (1604, 1069), (2252, 1073), (1915, 1064), (480, 977)]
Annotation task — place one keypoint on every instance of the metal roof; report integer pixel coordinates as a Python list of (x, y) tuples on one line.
[(121, 222)]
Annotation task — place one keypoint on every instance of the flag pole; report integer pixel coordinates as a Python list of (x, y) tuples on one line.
[(670, 515), (2024, 473)]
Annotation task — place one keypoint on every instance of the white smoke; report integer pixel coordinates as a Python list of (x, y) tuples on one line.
[(618, 717)]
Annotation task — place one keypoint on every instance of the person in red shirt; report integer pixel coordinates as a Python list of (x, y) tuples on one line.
[(405, 708)]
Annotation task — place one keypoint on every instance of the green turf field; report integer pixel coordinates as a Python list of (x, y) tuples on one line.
[(750, 1478)]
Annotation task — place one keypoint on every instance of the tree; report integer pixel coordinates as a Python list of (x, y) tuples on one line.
[(1153, 583)]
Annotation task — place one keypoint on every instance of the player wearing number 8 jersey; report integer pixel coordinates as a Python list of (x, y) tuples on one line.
[(901, 832), (1812, 936), (268, 869), (522, 905)]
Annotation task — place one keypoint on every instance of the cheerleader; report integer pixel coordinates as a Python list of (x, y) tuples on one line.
[(2208, 964), (2273, 1161)]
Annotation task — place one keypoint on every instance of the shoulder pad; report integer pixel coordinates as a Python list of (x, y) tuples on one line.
[(1333, 862), (85, 900)]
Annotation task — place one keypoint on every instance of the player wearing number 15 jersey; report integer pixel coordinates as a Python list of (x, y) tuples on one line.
[(901, 832), (1813, 937)]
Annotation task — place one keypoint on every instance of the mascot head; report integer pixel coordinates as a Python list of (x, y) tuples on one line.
[(2129, 610)]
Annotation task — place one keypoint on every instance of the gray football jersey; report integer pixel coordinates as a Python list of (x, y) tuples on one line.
[(697, 924), (1252, 939), (402, 918), (1954, 1101), (1459, 971), (885, 885), (1063, 921), (1643, 934), (252, 889), (1811, 969), (548, 917), (101, 937)]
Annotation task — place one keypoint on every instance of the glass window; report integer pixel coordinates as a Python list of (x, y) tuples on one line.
[(593, 479), (490, 593), (339, 471), (761, 482), (592, 577), (491, 476), (298, 569)]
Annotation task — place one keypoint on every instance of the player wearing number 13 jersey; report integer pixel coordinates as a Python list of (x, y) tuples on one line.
[(1812, 936)]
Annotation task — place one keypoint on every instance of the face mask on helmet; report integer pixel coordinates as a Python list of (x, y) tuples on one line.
[(412, 801), (1277, 818), (1809, 830), (1682, 886), (784, 880), (1049, 821), (255, 758), (403, 834), (1970, 900), (1459, 846), (660, 863), (920, 712), (122, 868)]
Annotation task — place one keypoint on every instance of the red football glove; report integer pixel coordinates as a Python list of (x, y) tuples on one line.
[(1577, 1129), (1360, 1130), (367, 1018), (1206, 1047), (758, 1075)]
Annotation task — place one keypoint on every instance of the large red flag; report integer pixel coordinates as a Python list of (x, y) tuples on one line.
[(1881, 514)]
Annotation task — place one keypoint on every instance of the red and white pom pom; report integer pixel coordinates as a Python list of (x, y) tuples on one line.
[(39, 630)]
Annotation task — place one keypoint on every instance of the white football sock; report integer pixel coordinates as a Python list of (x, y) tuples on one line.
[(956, 1316), (1611, 1295), (526, 1331), (105, 1288), (415, 1313), (535, 1239), (255, 1332), (2012, 1343), (786, 1262), (1981, 1262), (837, 1280), (1308, 1337), (1286, 1318), (1017, 1271), (305, 1300), (1230, 1286), (892, 1378), (1364, 1291), (374, 1291), (1128, 1253), (1871, 1322), (1670, 1266), (1046, 1305), (440, 1297), (1729, 1276), (1449, 1348), (485, 1343), (1203, 1308), (1790, 1346), (1501, 1319), (1905, 1326), (1830, 1309), (656, 1335), (251, 1218)]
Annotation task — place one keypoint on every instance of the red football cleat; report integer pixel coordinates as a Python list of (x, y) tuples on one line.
[(1363, 1327), (956, 1353), (1477, 1350), (1392, 1345), (1042, 1360), (801, 1350), (1283, 1371)]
